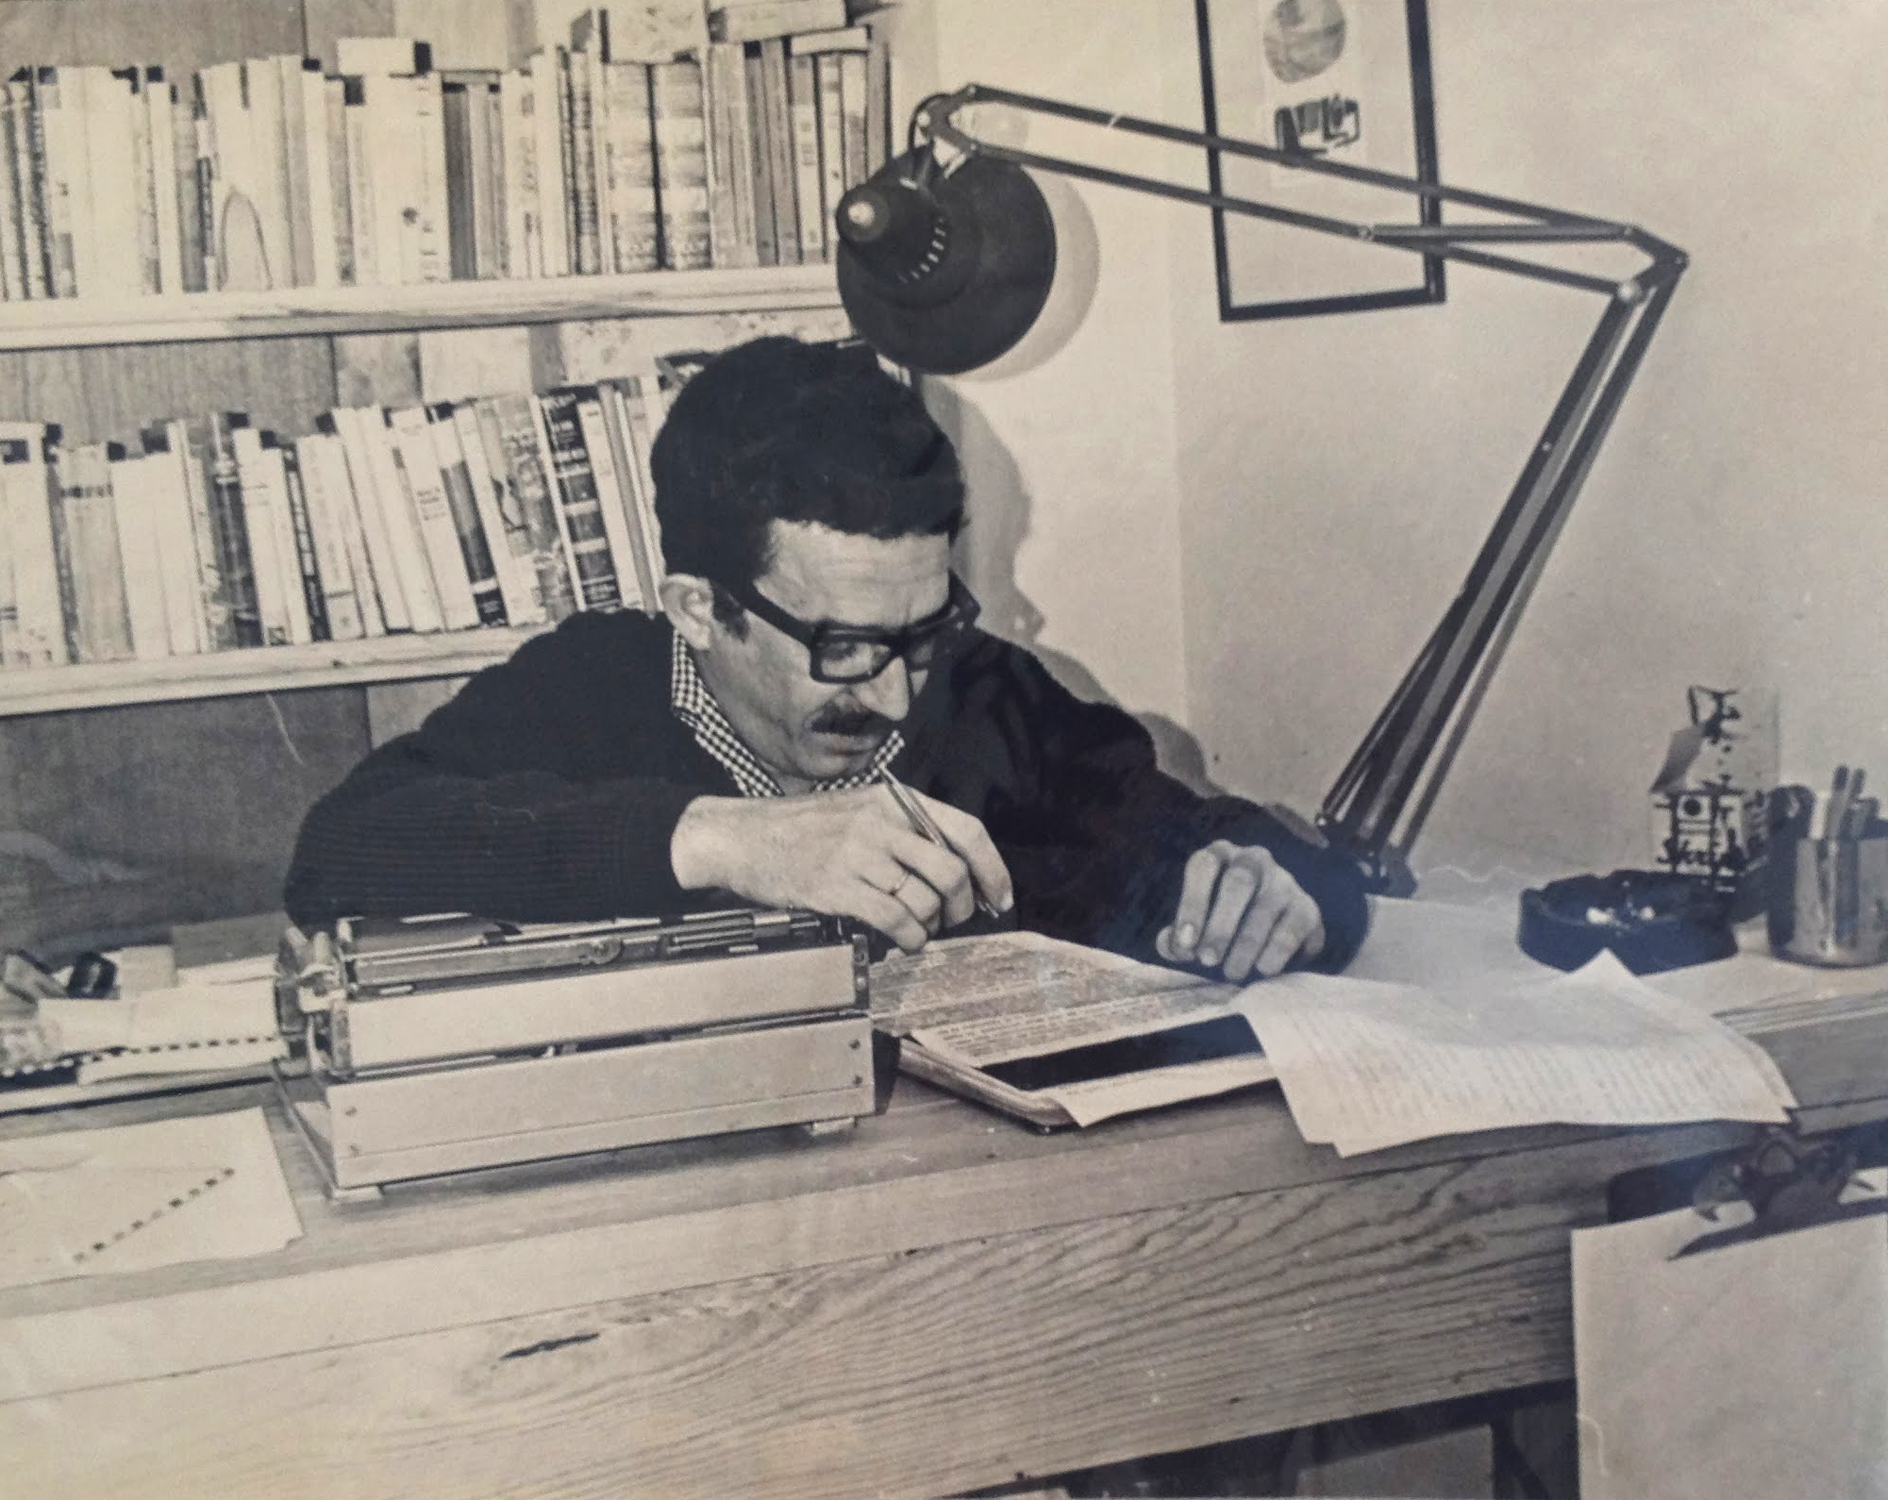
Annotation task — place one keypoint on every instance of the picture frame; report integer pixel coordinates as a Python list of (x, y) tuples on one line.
[(1347, 78)]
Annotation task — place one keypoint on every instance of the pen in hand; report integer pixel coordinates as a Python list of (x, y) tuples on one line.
[(921, 822)]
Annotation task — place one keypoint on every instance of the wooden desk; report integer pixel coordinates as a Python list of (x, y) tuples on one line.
[(944, 1300)]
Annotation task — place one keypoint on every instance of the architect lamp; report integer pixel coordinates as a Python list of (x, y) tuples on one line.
[(946, 258)]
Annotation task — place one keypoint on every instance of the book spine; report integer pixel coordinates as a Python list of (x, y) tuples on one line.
[(567, 142), (475, 548), (852, 92), (266, 158), (418, 461), (298, 181), (235, 563), (778, 141), (340, 253), (681, 163), (456, 120), (547, 92), (91, 576), (363, 204), (349, 584), (612, 496), (160, 132), (878, 102), (352, 425), (27, 485), (175, 543), (311, 118), (29, 178), (509, 426), (579, 510), (272, 533), (623, 461), (400, 511), (629, 141), (389, 150), (832, 158), (803, 110), (61, 154), (488, 183), (432, 260), (582, 79), (150, 265), (516, 126), (768, 251), (102, 214), (725, 242), (12, 646), (204, 187), (499, 521), (339, 613), (259, 505), (134, 522), (640, 421), (311, 611), (12, 284), (191, 440)]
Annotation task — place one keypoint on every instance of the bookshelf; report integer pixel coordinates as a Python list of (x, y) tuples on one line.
[(195, 317), (262, 669), (197, 767)]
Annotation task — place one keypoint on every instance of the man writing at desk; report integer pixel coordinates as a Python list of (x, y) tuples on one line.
[(813, 643)]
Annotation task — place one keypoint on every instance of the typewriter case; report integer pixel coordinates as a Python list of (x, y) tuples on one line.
[(445, 1044)]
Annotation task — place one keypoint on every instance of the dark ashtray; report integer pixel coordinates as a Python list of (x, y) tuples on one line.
[(1651, 919)]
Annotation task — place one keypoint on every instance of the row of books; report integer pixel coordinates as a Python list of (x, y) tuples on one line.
[(215, 534), (589, 159)]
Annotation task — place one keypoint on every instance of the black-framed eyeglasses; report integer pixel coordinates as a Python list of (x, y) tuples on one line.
[(858, 653)]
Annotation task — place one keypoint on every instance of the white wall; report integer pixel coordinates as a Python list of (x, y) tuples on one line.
[(1733, 528), (1074, 537), (1221, 539)]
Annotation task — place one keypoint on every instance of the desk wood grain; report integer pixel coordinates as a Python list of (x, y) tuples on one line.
[(942, 1301)]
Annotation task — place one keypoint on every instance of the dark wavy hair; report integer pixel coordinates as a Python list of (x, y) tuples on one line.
[(780, 430)]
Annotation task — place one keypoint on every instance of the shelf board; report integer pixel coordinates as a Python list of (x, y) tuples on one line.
[(186, 317), (264, 669)]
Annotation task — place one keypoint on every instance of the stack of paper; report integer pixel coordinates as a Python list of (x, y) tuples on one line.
[(217, 1016), (1366, 1065)]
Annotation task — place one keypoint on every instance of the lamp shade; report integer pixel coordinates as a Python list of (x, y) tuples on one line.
[(944, 272)]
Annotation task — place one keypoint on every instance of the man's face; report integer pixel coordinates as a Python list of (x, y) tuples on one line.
[(806, 731)]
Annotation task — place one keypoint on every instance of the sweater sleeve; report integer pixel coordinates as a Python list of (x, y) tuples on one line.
[(1097, 836), (494, 806)]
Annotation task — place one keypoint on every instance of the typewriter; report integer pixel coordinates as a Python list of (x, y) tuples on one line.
[(446, 1044)]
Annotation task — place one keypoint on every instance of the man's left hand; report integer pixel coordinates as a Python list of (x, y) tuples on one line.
[(1242, 913)]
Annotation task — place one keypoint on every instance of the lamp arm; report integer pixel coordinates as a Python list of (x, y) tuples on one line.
[(1379, 800)]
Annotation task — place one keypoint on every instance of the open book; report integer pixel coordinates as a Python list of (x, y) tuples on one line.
[(1057, 1034)]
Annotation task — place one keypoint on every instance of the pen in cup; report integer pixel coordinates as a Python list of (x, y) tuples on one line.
[(921, 822)]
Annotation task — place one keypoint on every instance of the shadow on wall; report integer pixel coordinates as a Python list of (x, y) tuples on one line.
[(999, 521)]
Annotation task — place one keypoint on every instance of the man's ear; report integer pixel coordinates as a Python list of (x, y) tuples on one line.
[(689, 602)]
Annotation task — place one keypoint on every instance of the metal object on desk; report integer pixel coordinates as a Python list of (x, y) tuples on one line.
[(446, 1044), (1828, 895)]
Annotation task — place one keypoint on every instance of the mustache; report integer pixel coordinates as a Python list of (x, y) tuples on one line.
[(854, 720)]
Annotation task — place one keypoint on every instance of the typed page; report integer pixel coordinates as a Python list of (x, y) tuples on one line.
[(1366, 1065)]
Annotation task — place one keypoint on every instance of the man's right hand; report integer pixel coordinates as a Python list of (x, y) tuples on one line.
[(850, 854)]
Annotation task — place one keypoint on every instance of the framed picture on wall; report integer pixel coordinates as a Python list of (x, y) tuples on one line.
[(1346, 80)]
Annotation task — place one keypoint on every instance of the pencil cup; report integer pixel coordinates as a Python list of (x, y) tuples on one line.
[(1829, 901)]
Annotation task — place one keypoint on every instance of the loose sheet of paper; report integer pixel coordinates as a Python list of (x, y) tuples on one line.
[(995, 999), (1366, 1065), (133, 1197), (217, 1016)]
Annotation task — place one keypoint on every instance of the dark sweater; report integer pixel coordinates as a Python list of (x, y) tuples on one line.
[(550, 787)]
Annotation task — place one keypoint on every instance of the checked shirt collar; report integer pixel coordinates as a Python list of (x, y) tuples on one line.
[(691, 701)]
